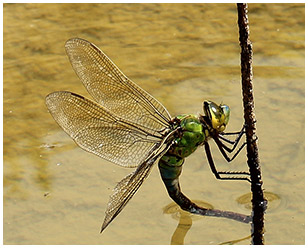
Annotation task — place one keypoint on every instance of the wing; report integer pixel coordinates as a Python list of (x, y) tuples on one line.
[(98, 131), (112, 89), (129, 185)]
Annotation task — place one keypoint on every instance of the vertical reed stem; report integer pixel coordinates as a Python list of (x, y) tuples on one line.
[(258, 202)]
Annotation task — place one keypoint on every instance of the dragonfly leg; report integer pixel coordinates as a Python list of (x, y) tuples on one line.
[(239, 135), (235, 142), (237, 175), (235, 133), (223, 148)]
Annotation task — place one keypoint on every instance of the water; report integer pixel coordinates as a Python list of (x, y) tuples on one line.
[(55, 193)]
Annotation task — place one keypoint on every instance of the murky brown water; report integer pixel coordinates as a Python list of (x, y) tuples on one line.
[(55, 193)]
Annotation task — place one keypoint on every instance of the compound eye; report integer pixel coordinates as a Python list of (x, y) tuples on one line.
[(215, 109), (226, 113), (217, 115)]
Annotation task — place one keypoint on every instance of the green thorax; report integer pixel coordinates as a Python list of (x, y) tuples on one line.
[(192, 135)]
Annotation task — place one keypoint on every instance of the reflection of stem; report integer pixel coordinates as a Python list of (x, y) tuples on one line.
[(185, 224), (181, 230), (202, 209), (233, 242)]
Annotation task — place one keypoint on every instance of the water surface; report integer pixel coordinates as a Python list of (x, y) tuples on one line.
[(55, 193)]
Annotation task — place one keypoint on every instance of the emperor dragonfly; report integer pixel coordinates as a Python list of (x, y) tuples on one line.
[(129, 127)]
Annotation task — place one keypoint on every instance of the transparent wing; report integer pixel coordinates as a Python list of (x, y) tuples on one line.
[(112, 89), (123, 192), (98, 131), (129, 185)]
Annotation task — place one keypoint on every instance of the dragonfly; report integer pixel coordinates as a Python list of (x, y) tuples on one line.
[(127, 126)]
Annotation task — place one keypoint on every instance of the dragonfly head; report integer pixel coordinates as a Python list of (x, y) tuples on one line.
[(216, 117)]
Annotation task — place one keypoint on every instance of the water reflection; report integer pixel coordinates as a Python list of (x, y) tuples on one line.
[(185, 221), (184, 218), (234, 242)]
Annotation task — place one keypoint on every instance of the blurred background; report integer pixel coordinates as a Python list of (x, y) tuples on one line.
[(182, 54)]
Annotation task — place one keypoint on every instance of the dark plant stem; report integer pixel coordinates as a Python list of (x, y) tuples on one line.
[(258, 202)]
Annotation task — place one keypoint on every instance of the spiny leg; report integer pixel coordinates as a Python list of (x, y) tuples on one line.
[(235, 133), (222, 147), (239, 135), (235, 142), (219, 173)]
